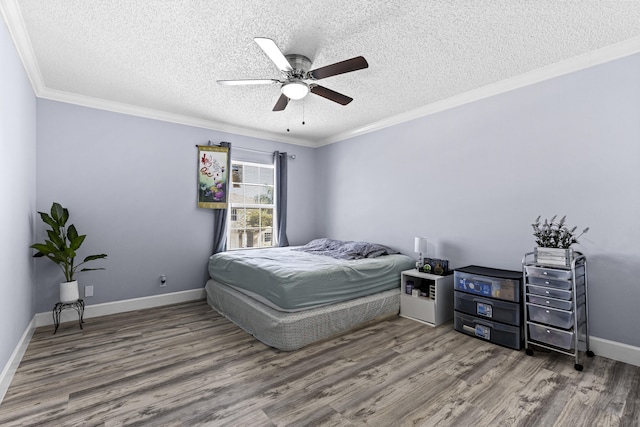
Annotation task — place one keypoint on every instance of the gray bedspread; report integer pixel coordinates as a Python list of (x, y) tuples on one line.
[(345, 249), (290, 280)]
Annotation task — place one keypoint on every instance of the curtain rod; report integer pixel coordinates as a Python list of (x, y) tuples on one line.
[(291, 156)]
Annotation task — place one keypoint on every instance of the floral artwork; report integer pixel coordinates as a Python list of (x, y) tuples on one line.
[(212, 177)]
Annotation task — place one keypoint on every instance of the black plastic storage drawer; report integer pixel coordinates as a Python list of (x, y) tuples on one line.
[(497, 333), (488, 282), (499, 311)]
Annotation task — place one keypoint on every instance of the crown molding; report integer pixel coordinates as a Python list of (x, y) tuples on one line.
[(580, 62), (133, 110), (15, 24), (13, 17)]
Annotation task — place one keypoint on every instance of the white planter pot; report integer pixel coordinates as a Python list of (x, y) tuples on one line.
[(69, 291), (554, 256)]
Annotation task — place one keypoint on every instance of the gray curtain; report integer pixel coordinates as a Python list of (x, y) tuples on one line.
[(280, 160), (220, 215)]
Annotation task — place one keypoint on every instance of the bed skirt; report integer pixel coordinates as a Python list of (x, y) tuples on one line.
[(291, 331)]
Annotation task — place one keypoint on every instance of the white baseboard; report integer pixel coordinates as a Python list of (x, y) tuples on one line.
[(14, 361), (615, 350), (96, 310)]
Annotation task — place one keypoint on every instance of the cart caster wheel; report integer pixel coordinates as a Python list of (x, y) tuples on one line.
[(529, 352), (590, 353), (578, 367)]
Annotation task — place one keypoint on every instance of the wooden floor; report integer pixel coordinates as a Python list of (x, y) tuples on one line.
[(185, 365)]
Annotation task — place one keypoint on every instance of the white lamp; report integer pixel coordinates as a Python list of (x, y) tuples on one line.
[(420, 246), (295, 90)]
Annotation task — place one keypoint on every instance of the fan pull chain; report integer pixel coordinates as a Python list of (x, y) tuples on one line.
[(303, 121)]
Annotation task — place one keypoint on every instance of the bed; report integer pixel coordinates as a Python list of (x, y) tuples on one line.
[(290, 297)]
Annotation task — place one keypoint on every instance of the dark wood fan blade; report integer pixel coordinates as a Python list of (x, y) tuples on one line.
[(353, 64), (331, 95), (247, 82), (274, 53), (281, 104)]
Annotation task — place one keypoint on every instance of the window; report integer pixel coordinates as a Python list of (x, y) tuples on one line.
[(252, 206), (267, 238)]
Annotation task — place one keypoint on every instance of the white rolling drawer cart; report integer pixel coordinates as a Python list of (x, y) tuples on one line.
[(556, 311)]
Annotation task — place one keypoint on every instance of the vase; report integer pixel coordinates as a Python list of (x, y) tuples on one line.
[(69, 292), (553, 256)]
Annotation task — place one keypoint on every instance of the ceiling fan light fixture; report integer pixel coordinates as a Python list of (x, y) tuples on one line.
[(295, 89)]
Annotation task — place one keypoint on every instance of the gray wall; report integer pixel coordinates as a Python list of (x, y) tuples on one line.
[(130, 184), (472, 180), (18, 190)]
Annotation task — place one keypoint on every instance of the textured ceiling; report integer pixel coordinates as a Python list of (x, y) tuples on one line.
[(162, 58)]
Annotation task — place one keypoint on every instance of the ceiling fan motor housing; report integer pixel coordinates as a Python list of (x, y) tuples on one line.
[(300, 64)]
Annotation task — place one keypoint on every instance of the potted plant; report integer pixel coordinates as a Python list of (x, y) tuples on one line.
[(61, 247), (554, 241)]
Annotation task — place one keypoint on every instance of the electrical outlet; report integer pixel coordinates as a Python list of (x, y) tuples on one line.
[(163, 281), (88, 291)]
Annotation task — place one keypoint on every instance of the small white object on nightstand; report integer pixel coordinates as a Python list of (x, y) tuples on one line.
[(420, 246)]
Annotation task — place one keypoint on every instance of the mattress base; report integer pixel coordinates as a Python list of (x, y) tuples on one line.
[(291, 331)]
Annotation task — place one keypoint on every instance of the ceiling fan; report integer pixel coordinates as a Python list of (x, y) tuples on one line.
[(297, 80)]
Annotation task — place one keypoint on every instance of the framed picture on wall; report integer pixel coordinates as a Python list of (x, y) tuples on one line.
[(213, 177)]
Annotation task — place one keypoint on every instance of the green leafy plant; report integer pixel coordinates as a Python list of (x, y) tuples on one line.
[(551, 234), (63, 242)]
